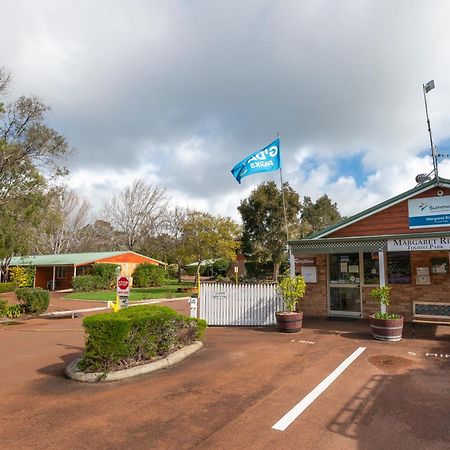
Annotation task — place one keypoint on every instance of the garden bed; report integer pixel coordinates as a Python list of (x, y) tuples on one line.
[(76, 374), (135, 337)]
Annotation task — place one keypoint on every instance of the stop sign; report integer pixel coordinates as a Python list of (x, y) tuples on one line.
[(123, 283)]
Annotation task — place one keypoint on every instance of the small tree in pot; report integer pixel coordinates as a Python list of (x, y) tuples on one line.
[(292, 289), (385, 326)]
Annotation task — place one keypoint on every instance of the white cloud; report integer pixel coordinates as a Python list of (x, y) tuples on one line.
[(178, 92)]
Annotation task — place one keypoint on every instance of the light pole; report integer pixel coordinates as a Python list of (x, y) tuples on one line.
[(427, 88)]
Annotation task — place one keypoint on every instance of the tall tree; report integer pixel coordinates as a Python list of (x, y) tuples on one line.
[(30, 154), (66, 216), (204, 236), (164, 244), (264, 235), (137, 211), (99, 236), (319, 215)]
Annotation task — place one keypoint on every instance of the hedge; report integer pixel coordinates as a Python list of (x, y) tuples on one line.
[(135, 335), (34, 301), (7, 287), (86, 283), (106, 275), (101, 276), (148, 275), (3, 307)]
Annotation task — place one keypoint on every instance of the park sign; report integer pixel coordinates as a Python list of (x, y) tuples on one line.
[(399, 245), (123, 286), (429, 212)]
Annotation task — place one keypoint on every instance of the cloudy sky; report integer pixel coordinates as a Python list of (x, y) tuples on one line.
[(177, 92)]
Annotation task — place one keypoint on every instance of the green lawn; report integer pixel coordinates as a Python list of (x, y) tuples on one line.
[(167, 291)]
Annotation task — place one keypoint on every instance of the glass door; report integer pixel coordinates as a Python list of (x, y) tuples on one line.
[(345, 284)]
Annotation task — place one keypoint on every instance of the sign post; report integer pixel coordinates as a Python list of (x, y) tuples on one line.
[(123, 290)]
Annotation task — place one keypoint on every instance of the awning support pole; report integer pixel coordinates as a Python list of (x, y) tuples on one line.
[(382, 270), (54, 276), (291, 262)]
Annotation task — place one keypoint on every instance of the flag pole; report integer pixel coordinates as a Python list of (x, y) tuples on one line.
[(285, 217), (282, 196)]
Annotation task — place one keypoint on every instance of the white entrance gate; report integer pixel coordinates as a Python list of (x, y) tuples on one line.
[(239, 304)]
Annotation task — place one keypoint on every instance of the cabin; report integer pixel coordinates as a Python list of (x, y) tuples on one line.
[(55, 272), (403, 242)]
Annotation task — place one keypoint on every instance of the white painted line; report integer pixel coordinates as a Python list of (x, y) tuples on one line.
[(290, 416)]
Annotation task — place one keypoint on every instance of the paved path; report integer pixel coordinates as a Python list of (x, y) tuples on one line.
[(230, 393)]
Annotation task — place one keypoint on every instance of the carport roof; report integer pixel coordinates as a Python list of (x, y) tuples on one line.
[(67, 259)]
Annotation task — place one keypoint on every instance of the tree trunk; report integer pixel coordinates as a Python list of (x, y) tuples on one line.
[(179, 272), (197, 274), (276, 271)]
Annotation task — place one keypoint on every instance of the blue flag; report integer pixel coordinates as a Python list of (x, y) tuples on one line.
[(264, 160)]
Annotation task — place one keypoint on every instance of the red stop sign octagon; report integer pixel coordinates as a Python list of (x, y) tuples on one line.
[(122, 283)]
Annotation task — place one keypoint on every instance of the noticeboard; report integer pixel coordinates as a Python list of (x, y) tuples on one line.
[(399, 268)]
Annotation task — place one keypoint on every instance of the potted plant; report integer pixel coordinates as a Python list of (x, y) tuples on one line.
[(292, 289), (385, 326)]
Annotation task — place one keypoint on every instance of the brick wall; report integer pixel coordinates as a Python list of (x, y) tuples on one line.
[(314, 302), (402, 296)]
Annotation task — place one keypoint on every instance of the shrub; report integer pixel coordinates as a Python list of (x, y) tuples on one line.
[(134, 335), (192, 270), (259, 270), (292, 290), (13, 311), (106, 274), (85, 283), (172, 270), (3, 307), (34, 301), (148, 275), (22, 276), (7, 287), (221, 266)]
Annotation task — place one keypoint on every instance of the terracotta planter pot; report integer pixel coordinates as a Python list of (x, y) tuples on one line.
[(386, 329), (289, 322)]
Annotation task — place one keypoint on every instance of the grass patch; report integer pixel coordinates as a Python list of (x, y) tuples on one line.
[(169, 290)]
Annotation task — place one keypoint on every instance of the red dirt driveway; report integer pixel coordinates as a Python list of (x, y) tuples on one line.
[(230, 393)]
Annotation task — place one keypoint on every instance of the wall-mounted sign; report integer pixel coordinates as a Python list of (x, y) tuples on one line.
[(439, 265), (309, 273), (429, 212), (423, 279), (423, 270), (310, 261), (400, 245), (304, 262)]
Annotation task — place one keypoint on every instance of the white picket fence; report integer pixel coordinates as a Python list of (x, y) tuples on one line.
[(239, 305)]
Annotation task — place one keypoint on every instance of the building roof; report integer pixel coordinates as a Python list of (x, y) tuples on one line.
[(381, 206), (68, 259)]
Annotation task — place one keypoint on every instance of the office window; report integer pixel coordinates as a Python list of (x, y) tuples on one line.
[(371, 268)]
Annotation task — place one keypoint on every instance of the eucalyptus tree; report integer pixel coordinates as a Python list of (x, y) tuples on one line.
[(31, 154), (264, 235)]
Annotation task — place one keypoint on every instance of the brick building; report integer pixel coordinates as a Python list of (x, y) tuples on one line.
[(403, 242)]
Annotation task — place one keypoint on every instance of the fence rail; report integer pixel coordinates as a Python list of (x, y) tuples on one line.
[(239, 305)]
